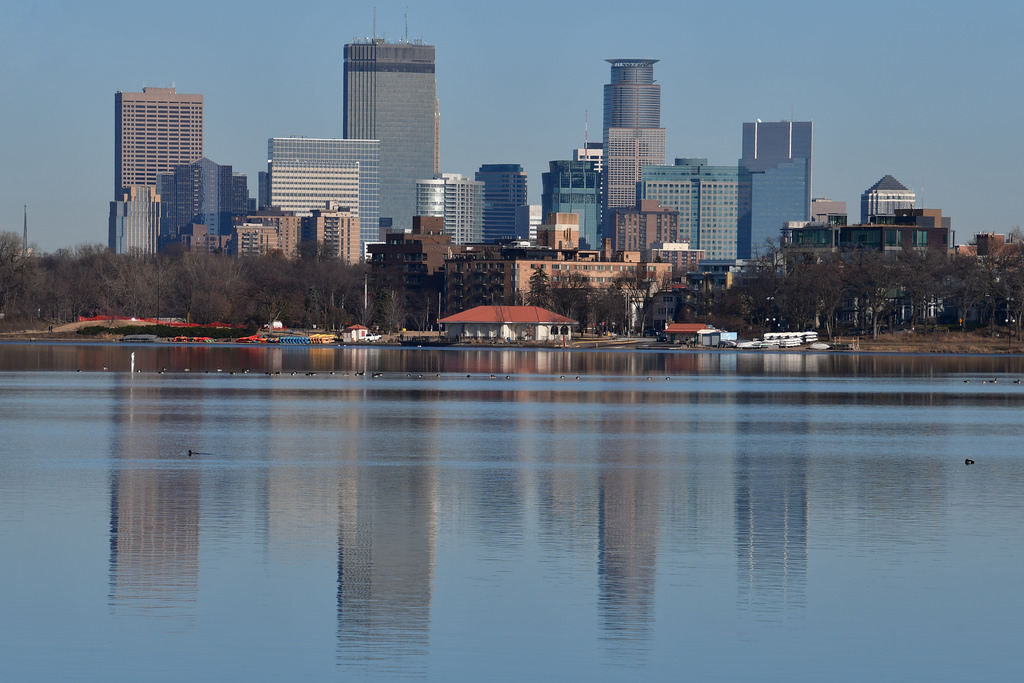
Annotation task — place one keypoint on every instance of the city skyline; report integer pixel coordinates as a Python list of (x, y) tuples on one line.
[(501, 110)]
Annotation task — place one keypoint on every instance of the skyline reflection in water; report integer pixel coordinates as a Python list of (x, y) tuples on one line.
[(451, 527)]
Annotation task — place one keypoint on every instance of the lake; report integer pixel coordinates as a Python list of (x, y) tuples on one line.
[(228, 512)]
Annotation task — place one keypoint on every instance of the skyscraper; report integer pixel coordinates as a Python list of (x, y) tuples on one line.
[(883, 199), (134, 222), (575, 187), (775, 183), (633, 136), (504, 193), (706, 198), (205, 193), (154, 131), (305, 173), (459, 200), (390, 95)]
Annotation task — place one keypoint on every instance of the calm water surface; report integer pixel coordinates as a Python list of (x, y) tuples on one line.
[(579, 516)]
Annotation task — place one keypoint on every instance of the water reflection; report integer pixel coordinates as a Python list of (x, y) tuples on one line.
[(154, 513)]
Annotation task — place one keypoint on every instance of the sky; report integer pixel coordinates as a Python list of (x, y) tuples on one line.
[(929, 92)]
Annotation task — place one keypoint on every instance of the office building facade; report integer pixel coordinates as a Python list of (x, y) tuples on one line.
[(390, 95), (305, 173), (775, 181), (633, 136), (575, 187), (154, 132), (334, 232), (881, 201), (504, 193), (637, 228), (707, 199)]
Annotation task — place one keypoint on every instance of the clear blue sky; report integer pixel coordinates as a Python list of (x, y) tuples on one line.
[(927, 91)]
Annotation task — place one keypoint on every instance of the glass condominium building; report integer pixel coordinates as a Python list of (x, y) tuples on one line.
[(633, 136), (707, 199), (776, 181), (306, 173), (390, 95)]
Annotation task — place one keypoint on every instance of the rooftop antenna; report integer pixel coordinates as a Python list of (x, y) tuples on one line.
[(586, 126), (374, 22), (407, 23)]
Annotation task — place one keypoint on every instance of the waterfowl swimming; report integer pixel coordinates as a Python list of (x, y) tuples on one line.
[(968, 461)]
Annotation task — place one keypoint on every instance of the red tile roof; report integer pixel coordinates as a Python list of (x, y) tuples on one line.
[(508, 314), (685, 328)]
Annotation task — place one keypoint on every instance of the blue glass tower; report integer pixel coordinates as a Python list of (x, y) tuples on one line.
[(504, 193), (575, 187), (775, 181)]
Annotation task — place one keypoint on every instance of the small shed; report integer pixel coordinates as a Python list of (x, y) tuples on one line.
[(688, 333), (354, 333), (509, 323)]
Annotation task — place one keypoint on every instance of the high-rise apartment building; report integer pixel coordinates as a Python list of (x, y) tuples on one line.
[(707, 199), (504, 193), (457, 199), (306, 173), (575, 187), (647, 223), (334, 229), (633, 136), (776, 181), (880, 202), (390, 95), (154, 131)]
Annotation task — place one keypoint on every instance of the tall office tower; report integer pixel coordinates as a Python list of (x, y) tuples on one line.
[(459, 200), (575, 187), (633, 136), (504, 193), (134, 222), (154, 131), (879, 202), (390, 95), (202, 193), (305, 173), (776, 181), (706, 198), (528, 219)]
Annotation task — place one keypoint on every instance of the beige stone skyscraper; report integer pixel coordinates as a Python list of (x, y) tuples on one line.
[(154, 131)]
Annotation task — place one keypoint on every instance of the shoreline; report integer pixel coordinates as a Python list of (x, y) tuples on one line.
[(956, 343)]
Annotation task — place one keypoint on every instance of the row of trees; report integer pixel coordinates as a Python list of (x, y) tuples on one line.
[(786, 289), (794, 289)]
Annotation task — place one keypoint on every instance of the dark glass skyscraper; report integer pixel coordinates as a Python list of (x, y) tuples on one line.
[(504, 193), (574, 187), (633, 136), (391, 96), (775, 181)]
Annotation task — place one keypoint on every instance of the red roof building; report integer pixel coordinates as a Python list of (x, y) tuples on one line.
[(510, 323)]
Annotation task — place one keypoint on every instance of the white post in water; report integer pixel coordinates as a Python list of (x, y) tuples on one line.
[(133, 362)]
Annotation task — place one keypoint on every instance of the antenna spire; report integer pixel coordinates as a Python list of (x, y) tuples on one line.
[(407, 23)]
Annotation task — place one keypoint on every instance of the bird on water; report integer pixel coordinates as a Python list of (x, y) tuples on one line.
[(968, 461)]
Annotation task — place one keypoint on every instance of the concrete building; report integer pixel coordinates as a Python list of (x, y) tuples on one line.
[(305, 173), (637, 228), (154, 132), (415, 257), (560, 231), (828, 211), (880, 202), (504, 193), (390, 95), (679, 254), (134, 222), (775, 181), (575, 187), (456, 199), (633, 136), (707, 199), (267, 231), (334, 230)]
